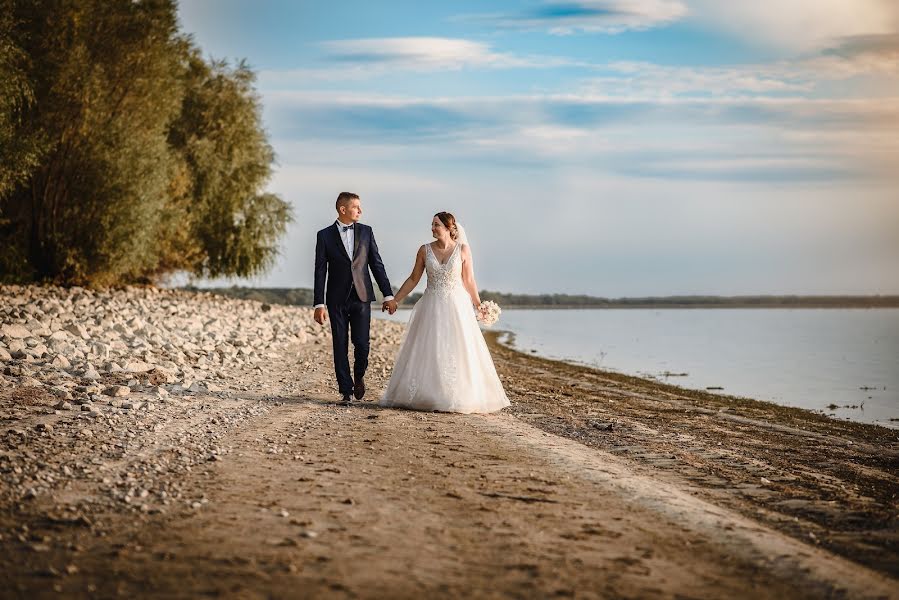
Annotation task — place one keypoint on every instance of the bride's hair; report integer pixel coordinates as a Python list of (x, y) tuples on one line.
[(449, 221)]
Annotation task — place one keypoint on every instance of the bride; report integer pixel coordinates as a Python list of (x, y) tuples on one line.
[(443, 362)]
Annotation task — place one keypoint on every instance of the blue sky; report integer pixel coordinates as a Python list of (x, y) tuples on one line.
[(608, 147)]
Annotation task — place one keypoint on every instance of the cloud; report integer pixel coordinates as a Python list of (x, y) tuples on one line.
[(560, 17), (799, 26), (748, 139), (647, 80), (365, 59), (428, 54)]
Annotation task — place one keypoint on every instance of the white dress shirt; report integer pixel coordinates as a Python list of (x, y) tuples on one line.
[(348, 236)]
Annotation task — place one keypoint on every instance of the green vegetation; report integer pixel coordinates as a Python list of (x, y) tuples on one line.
[(124, 155), (303, 297)]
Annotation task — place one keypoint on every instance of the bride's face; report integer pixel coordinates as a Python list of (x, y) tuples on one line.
[(438, 229)]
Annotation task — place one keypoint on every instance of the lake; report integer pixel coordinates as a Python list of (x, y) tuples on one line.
[(841, 362)]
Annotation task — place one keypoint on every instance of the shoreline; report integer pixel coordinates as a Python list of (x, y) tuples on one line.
[(806, 474), (689, 306), (509, 343)]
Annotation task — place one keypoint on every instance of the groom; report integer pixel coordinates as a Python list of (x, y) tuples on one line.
[(344, 252)]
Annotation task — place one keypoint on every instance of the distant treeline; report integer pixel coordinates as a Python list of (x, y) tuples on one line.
[(125, 154), (303, 297)]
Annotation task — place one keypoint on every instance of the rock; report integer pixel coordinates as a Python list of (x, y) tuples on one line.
[(86, 433), (137, 366), (45, 427), (60, 361), (15, 331), (61, 392), (62, 405), (77, 330), (117, 391), (5, 355), (27, 381)]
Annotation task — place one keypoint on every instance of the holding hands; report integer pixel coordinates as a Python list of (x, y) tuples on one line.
[(390, 306)]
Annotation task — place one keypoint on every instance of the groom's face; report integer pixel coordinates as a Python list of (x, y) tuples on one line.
[(352, 211)]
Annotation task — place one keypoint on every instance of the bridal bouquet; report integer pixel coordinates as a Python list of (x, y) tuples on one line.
[(488, 312)]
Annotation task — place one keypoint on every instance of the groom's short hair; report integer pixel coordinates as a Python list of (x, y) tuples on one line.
[(345, 198)]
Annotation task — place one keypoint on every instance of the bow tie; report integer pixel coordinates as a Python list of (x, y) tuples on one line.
[(345, 227)]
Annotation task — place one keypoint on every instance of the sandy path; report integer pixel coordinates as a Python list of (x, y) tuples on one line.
[(311, 499)]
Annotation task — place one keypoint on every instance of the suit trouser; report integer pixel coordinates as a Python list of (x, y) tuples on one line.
[(350, 321)]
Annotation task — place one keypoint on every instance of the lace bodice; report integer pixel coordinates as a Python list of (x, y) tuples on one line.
[(443, 279)]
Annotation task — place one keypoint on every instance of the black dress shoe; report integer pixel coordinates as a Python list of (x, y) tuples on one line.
[(347, 400), (359, 389)]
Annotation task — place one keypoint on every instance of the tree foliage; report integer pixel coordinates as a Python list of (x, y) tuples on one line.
[(134, 158)]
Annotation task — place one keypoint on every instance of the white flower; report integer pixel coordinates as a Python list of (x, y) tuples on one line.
[(488, 312)]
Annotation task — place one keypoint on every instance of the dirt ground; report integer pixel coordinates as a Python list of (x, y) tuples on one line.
[(592, 485)]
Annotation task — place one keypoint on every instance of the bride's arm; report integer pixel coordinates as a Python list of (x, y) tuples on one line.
[(468, 276), (414, 278)]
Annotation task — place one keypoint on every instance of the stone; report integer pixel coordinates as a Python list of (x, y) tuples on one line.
[(60, 361), (45, 427), (61, 392), (5, 355), (63, 405), (77, 330), (15, 331), (137, 366), (117, 391)]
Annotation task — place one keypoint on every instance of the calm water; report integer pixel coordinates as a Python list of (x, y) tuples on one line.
[(812, 358)]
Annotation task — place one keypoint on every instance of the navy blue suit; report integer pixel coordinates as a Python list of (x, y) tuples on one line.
[(348, 295)]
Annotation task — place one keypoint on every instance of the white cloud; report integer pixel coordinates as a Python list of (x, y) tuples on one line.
[(364, 59), (428, 53), (798, 25), (647, 80)]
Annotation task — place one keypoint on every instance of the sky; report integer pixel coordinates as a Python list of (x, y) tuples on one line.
[(604, 147)]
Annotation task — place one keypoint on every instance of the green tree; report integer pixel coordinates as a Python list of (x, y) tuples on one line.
[(230, 225), (136, 158)]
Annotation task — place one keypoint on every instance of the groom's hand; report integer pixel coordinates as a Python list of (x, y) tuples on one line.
[(321, 315), (389, 306)]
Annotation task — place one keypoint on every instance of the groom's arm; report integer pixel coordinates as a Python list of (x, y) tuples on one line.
[(377, 269), (321, 271)]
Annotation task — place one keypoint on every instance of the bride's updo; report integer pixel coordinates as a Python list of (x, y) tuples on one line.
[(449, 221)]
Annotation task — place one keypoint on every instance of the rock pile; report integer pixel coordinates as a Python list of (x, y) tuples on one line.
[(128, 388)]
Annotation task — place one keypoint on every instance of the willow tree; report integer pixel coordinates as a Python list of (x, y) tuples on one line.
[(138, 158), (225, 223)]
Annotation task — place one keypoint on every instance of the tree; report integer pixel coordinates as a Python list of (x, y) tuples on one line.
[(225, 160), (135, 157)]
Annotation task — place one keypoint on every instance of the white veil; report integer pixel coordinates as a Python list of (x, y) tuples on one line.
[(461, 238)]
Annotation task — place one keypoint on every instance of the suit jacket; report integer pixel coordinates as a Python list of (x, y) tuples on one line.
[(344, 272)]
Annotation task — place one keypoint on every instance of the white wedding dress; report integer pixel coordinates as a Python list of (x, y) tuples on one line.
[(443, 362)]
